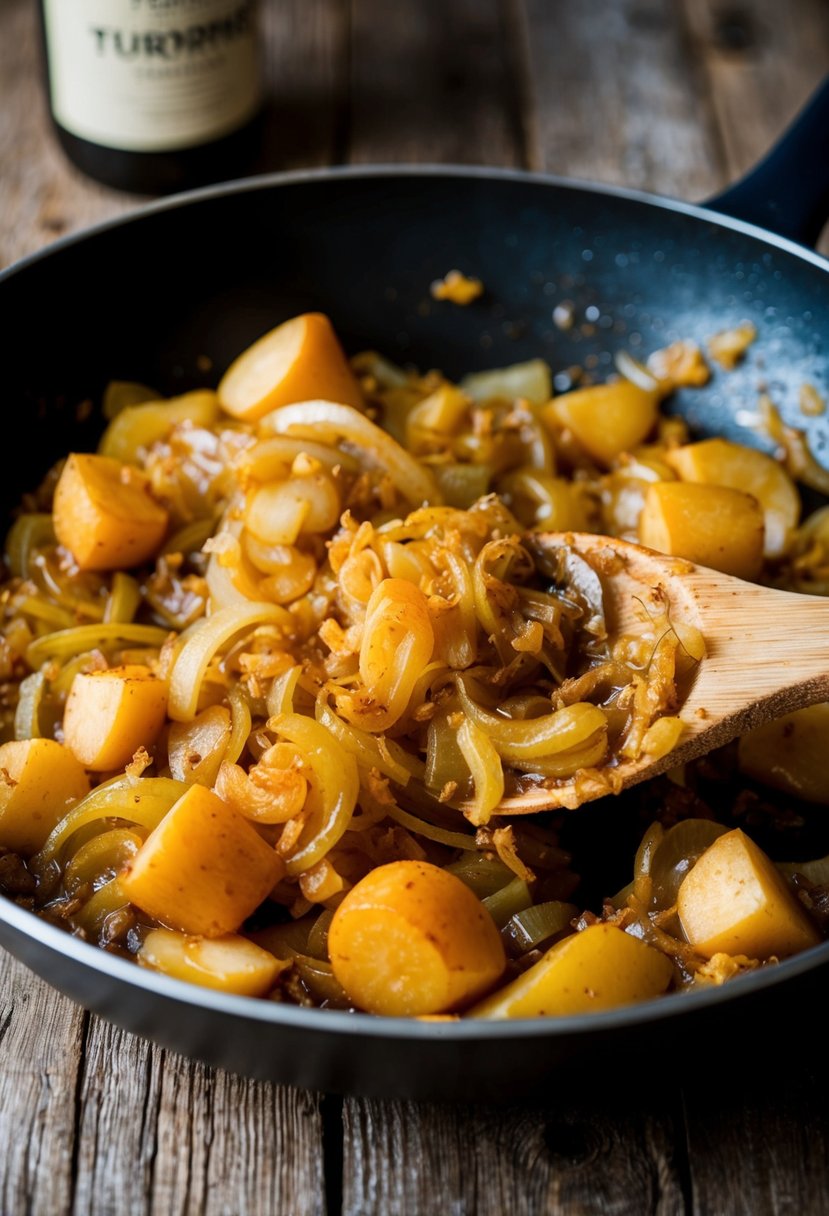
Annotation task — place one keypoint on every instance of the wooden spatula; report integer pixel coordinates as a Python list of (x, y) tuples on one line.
[(767, 653)]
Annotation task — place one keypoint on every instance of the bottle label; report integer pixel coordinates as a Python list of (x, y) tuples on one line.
[(152, 75)]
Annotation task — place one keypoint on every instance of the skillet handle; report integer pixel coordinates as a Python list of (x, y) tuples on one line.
[(788, 192)]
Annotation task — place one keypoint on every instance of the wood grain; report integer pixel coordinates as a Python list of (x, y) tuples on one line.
[(41, 1046), (758, 68), (616, 97), (196, 1139), (42, 195), (306, 76), (433, 85), (758, 1138), (570, 1157)]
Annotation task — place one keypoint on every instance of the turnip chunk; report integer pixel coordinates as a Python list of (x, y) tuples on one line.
[(204, 869), (735, 901), (720, 462), (110, 714), (105, 515), (412, 939), (606, 419), (39, 782), (710, 525), (300, 360), (228, 964), (600, 968)]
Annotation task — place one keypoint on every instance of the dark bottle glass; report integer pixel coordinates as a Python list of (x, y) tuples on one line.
[(153, 96)]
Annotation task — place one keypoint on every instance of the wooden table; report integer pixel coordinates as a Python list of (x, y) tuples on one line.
[(676, 96)]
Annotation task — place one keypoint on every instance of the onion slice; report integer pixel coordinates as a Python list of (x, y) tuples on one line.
[(207, 638), (327, 422)]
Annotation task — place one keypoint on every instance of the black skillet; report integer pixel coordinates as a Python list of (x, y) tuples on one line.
[(149, 296)]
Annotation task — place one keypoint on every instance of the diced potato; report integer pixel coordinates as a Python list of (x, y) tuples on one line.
[(204, 869), (721, 463), (139, 426), (734, 901), (110, 714), (300, 360), (229, 964), (711, 525), (599, 968), (790, 753), (531, 381), (105, 515), (197, 748), (39, 782), (411, 938), (606, 419)]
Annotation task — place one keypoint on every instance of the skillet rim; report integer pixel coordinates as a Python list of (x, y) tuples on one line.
[(640, 1014), (121, 971), (266, 181)]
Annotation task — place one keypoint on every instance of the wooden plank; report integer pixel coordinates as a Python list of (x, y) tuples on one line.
[(615, 97), (43, 196), (758, 1138), (161, 1134), (588, 1156), (760, 66), (433, 85), (306, 75), (41, 1043)]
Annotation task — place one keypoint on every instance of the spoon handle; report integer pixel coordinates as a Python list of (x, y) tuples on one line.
[(768, 654)]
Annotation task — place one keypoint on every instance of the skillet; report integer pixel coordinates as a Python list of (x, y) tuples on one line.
[(155, 295)]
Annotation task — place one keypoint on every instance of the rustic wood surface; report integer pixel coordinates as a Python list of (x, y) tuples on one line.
[(676, 96)]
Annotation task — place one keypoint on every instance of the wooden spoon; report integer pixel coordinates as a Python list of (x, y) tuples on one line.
[(767, 653)]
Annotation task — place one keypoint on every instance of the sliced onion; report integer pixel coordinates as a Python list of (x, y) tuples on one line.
[(388, 757), (240, 724), (203, 643), (635, 371), (548, 736), (191, 537), (676, 854), (430, 831), (123, 600), (28, 532), (142, 800), (535, 925), (266, 460), (482, 874), (282, 690), (103, 855), (68, 642), (109, 898), (26, 725), (318, 937), (331, 423), (816, 871), (333, 788), (504, 904), (487, 772)]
